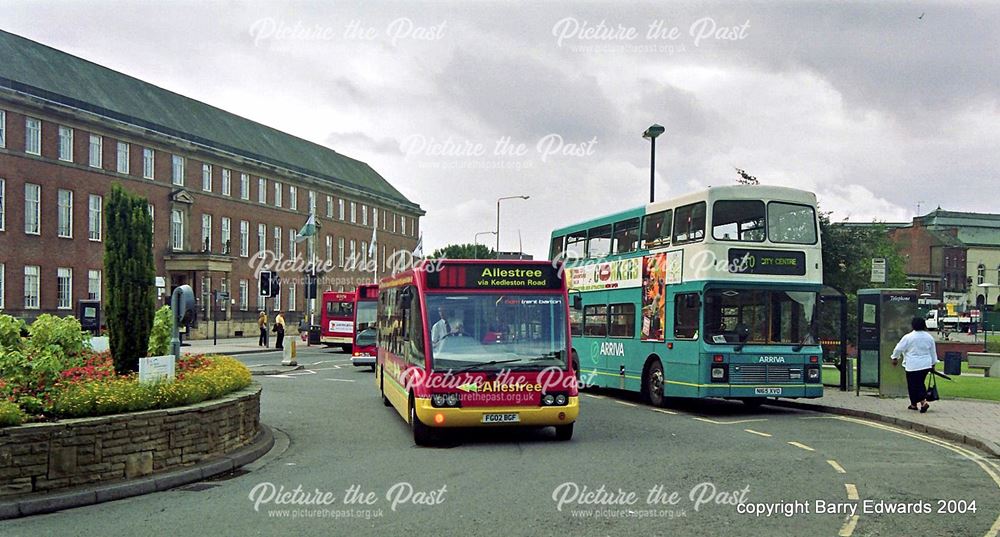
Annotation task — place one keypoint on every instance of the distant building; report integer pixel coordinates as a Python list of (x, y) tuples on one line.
[(221, 188), (949, 255), (515, 255)]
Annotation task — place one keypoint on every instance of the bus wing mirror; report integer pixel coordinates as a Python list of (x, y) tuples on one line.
[(577, 302), (405, 298)]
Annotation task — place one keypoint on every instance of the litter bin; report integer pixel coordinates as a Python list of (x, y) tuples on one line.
[(952, 363), (314, 334)]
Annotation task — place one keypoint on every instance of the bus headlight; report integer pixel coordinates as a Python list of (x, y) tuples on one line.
[(548, 399), (452, 399), (439, 399), (795, 374), (718, 373), (560, 399)]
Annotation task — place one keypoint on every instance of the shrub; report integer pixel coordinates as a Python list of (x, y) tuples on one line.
[(159, 336), (10, 334), (61, 336), (10, 414)]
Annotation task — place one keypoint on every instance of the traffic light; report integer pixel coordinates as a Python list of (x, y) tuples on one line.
[(275, 284), (265, 283), (310, 286)]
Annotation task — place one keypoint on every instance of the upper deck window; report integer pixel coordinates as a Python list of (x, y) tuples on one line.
[(575, 243), (689, 223), (558, 244), (599, 241), (625, 237), (656, 230), (738, 220), (791, 223)]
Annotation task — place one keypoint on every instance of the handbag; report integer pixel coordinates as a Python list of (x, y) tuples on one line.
[(932, 391)]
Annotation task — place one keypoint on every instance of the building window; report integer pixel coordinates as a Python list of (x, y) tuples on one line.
[(340, 209), (65, 144), (148, 161), (123, 157), (64, 294), (244, 186), (96, 145), (177, 168), (329, 206), (340, 252), (206, 233), (3, 137), (402, 225), (395, 217), (93, 285), (3, 204), (277, 194), (152, 220), (277, 242), (32, 209), (244, 238), (312, 202), (206, 177), (32, 136), (385, 219), (277, 301), (293, 198), (227, 182), (291, 296), (364, 215), (291, 244), (353, 253), (354, 213), (329, 247), (261, 190), (981, 274), (176, 230), (64, 217), (226, 235), (31, 286), (94, 210), (244, 295), (363, 255)]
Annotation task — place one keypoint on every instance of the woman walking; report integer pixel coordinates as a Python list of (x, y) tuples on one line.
[(919, 352), (279, 328)]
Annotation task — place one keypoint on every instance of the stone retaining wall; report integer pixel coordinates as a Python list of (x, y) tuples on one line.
[(42, 457)]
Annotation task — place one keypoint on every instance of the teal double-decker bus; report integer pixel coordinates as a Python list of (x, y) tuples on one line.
[(712, 294)]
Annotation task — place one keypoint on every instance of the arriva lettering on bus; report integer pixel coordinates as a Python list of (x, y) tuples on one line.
[(772, 359), (612, 348)]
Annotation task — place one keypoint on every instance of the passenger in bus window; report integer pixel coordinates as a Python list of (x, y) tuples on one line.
[(440, 330)]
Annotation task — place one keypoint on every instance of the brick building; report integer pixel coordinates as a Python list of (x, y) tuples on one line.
[(221, 188), (953, 256)]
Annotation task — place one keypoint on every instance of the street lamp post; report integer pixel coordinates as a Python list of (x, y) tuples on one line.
[(476, 240), (498, 218), (651, 133)]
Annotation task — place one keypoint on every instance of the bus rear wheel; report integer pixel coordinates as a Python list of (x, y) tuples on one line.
[(652, 384), (564, 432), (422, 434)]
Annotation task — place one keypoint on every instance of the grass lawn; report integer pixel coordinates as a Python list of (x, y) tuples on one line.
[(964, 386)]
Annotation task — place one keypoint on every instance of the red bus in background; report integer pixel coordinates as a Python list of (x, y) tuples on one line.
[(365, 310), (476, 343), (337, 327)]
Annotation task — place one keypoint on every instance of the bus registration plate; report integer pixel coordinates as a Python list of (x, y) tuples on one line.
[(501, 418), (767, 391)]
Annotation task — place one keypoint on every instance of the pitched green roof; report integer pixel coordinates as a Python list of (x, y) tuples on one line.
[(30, 67)]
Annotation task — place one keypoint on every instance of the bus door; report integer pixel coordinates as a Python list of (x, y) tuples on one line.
[(592, 349)]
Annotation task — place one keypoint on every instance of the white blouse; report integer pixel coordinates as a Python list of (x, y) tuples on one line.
[(918, 349)]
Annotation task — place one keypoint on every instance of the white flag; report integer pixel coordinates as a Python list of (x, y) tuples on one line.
[(418, 251), (308, 230), (373, 248)]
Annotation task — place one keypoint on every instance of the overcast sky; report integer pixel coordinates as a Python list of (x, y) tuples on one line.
[(875, 107)]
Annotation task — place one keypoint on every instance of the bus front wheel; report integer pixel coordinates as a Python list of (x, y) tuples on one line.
[(652, 384), (564, 432), (422, 435)]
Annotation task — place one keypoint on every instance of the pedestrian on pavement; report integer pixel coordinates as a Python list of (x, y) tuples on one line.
[(919, 352), (279, 329), (262, 325)]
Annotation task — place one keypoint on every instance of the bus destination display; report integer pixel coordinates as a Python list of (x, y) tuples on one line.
[(498, 276), (775, 262)]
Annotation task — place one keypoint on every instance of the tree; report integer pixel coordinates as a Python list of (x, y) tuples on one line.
[(464, 251), (130, 275), (746, 178)]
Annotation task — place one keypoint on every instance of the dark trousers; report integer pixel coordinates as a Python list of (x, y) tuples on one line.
[(915, 385), (280, 339), (263, 337)]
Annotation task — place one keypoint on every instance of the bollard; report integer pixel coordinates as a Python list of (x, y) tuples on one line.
[(289, 354)]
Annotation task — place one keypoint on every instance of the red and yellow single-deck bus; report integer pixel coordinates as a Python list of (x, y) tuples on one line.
[(338, 320), (473, 343), (363, 353)]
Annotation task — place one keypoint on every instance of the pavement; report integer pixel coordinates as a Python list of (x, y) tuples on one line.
[(970, 422), (231, 346)]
